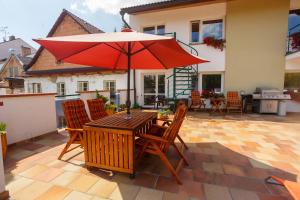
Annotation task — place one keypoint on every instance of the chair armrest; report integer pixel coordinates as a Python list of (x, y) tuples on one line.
[(154, 138), (74, 129)]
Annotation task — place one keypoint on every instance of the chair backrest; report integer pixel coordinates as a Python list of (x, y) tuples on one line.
[(172, 131), (232, 96), (75, 113), (196, 97), (97, 108), (181, 106)]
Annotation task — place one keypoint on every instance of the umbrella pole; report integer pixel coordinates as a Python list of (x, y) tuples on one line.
[(128, 103)]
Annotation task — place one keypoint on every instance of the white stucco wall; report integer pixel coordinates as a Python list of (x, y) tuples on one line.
[(28, 116), (179, 21)]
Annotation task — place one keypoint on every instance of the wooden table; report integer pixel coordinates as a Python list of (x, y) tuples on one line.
[(109, 142)]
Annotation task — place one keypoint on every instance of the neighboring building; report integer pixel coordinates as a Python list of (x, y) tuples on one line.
[(16, 46), (45, 74), (15, 55), (255, 32)]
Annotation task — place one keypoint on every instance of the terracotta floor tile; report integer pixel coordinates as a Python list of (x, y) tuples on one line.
[(78, 195), (18, 184), (213, 168), (103, 188), (83, 183), (149, 194), (32, 191), (65, 178), (145, 180), (167, 184), (48, 175), (192, 189), (234, 170), (124, 191), (55, 193), (34, 171), (213, 192), (238, 194), (175, 196)]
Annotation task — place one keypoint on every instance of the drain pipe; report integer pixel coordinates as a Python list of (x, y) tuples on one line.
[(122, 13)]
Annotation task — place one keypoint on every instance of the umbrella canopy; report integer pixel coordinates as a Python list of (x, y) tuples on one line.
[(121, 50)]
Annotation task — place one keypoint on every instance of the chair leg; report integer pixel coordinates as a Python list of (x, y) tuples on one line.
[(65, 150), (182, 142), (180, 154), (167, 163)]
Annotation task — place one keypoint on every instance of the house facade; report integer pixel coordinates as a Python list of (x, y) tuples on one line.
[(44, 74), (255, 49)]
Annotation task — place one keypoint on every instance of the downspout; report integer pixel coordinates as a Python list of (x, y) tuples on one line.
[(122, 13)]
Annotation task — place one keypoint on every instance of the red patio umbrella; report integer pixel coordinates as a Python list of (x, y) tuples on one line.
[(120, 51)]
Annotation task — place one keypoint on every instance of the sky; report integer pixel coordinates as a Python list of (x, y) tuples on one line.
[(28, 19)]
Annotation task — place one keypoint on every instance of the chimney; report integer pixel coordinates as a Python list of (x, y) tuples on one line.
[(25, 51), (11, 38)]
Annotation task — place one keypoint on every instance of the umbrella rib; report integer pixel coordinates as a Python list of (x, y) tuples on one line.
[(120, 50), (118, 56), (156, 57), (142, 49), (81, 50)]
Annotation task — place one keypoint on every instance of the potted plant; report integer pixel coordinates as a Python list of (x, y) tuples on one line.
[(164, 113), (122, 107), (3, 139), (99, 96), (215, 43), (110, 108), (136, 106)]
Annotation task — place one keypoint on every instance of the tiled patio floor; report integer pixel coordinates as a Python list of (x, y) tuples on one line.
[(229, 158)]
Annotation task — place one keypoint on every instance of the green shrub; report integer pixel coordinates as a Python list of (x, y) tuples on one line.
[(99, 96), (136, 106), (110, 106), (122, 107), (2, 128)]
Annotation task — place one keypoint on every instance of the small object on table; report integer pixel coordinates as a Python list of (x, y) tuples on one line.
[(216, 104)]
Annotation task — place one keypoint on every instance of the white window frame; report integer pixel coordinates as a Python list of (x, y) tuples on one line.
[(80, 87), (155, 27), (201, 28), (35, 88), (156, 86), (109, 84), (59, 88), (200, 78)]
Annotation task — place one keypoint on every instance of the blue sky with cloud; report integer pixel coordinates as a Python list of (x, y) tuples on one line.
[(29, 19)]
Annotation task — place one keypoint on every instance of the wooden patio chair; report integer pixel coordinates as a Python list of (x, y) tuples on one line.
[(97, 108), (178, 114), (292, 187), (233, 102), (159, 145), (197, 102), (75, 116)]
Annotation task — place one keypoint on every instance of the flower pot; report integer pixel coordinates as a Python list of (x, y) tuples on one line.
[(110, 111), (4, 145)]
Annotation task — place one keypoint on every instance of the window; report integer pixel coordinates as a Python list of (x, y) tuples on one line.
[(110, 85), (195, 37), (212, 82), (13, 72), (149, 30), (159, 30), (34, 88), (212, 28), (83, 86), (61, 89), (292, 81)]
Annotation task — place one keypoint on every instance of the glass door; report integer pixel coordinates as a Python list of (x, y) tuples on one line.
[(154, 88)]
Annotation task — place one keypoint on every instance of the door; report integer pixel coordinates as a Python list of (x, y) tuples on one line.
[(154, 88)]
